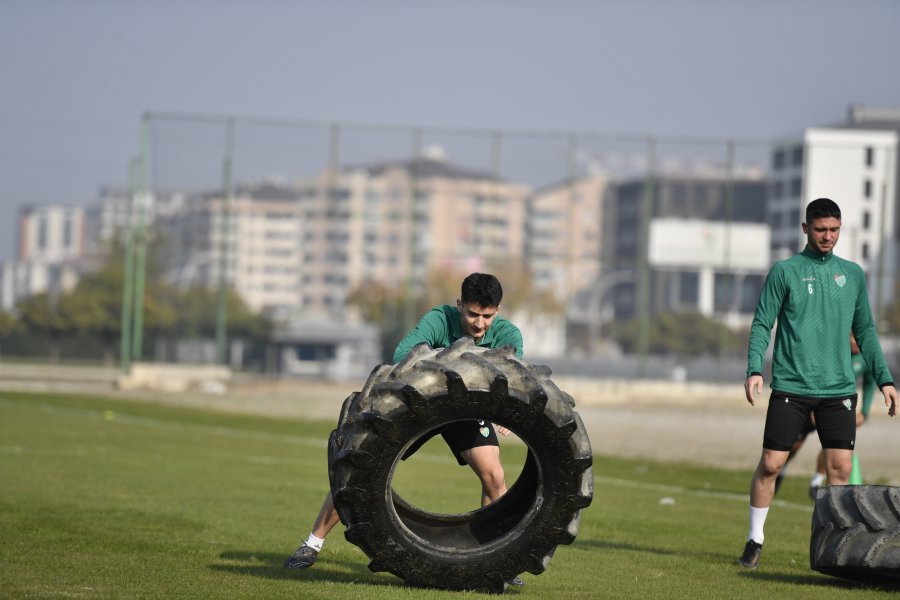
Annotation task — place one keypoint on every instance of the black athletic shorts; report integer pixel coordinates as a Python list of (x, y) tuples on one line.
[(808, 428), (460, 436), (788, 416)]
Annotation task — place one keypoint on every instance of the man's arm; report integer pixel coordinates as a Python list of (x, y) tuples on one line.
[(771, 298), (431, 329), (869, 347), (507, 334)]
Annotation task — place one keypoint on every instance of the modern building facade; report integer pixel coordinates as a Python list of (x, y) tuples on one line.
[(708, 246)]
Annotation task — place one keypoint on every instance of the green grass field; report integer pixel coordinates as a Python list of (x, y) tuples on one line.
[(108, 499)]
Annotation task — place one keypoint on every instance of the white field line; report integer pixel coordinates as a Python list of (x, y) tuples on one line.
[(219, 430), (674, 489)]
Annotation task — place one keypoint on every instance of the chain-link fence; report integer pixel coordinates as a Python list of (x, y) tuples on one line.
[(597, 237)]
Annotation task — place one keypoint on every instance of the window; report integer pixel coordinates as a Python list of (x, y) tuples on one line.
[(777, 220), (867, 188), (723, 292), (797, 156), (866, 220), (750, 289), (42, 233), (688, 288), (777, 189), (870, 156), (778, 159), (67, 232), (796, 186), (865, 250)]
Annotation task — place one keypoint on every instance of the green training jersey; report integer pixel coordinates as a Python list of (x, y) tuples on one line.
[(860, 370), (818, 299), (441, 326)]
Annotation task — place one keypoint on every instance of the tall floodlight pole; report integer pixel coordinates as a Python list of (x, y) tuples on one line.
[(224, 239), (140, 242), (128, 268), (643, 341)]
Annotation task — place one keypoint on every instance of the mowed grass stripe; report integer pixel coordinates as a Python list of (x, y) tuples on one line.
[(182, 503), (219, 430)]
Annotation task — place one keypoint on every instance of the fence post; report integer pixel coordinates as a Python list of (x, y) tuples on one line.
[(225, 235)]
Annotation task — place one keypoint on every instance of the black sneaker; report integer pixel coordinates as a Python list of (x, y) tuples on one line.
[(516, 581), (750, 558), (302, 558)]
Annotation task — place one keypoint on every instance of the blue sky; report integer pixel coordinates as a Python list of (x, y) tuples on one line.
[(77, 75)]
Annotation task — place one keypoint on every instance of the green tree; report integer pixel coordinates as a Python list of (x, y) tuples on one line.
[(42, 314)]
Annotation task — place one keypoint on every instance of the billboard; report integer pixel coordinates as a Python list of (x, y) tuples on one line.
[(696, 243)]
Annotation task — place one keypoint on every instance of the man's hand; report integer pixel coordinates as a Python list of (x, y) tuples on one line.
[(890, 399), (753, 385), (503, 430)]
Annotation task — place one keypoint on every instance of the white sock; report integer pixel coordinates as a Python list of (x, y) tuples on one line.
[(818, 480), (314, 542), (757, 522)]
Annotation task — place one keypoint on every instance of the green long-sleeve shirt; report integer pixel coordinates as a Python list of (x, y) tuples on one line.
[(818, 299), (441, 326), (861, 371)]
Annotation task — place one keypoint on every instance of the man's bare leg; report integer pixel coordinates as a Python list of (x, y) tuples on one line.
[(838, 464), (306, 554), (485, 461)]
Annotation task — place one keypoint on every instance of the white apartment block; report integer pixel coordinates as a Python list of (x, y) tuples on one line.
[(856, 168), (51, 233), (107, 217), (258, 238), (51, 244)]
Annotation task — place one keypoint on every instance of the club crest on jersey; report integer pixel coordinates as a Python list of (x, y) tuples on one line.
[(840, 280)]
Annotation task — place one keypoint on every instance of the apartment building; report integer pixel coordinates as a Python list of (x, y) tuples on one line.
[(50, 245), (563, 239), (395, 222), (255, 236), (51, 233)]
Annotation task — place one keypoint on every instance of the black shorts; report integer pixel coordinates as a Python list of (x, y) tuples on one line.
[(808, 428), (460, 436), (788, 417)]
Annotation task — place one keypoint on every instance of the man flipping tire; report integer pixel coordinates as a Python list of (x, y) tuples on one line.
[(473, 443)]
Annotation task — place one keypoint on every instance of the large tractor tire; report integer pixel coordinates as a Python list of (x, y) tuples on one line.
[(485, 547), (856, 532)]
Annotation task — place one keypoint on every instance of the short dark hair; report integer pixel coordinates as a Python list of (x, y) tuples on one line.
[(821, 208), (483, 289)]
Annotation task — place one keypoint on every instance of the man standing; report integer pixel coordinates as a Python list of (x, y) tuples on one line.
[(818, 300), (474, 443)]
